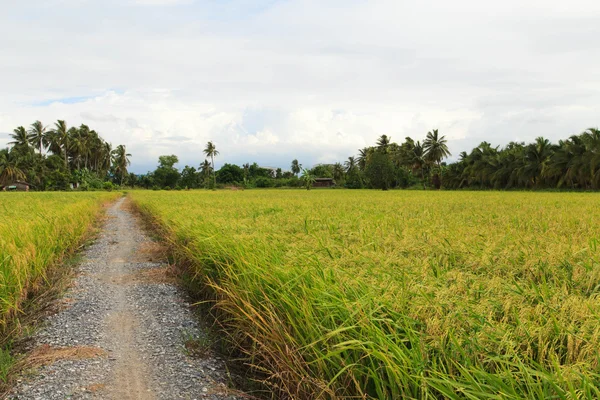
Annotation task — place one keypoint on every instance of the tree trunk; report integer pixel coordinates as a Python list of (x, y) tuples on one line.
[(212, 159)]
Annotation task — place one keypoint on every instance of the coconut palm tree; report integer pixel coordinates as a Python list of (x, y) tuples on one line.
[(537, 159), (350, 164), (211, 151), (19, 138), (338, 172), (436, 148), (85, 138), (10, 170), (60, 137), (296, 167), (591, 159), (106, 158), (363, 157), (76, 147), (121, 162), (206, 171), (417, 161), (36, 135), (383, 143)]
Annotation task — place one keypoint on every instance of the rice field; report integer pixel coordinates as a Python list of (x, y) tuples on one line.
[(387, 295), (37, 230)]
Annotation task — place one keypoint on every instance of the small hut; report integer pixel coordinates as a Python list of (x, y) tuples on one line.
[(324, 182), (16, 186)]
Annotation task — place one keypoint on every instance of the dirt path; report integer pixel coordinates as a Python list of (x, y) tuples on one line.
[(124, 329)]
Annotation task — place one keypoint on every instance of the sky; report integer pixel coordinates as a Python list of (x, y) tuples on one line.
[(273, 80)]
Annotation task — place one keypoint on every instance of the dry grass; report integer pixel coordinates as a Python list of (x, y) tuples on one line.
[(95, 388), (47, 355), (162, 275), (151, 252)]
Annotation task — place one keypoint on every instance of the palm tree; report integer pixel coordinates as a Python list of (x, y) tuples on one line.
[(52, 142), (436, 148), (105, 158), (537, 158), (10, 170), (85, 137), (95, 144), (350, 164), (37, 134), (206, 171), (383, 143), (338, 172), (417, 161), (61, 137), (20, 138), (121, 161), (296, 167), (211, 151), (363, 157), (76, 146), (591, 160)]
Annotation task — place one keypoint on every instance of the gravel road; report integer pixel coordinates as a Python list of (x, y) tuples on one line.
[(127, 325)]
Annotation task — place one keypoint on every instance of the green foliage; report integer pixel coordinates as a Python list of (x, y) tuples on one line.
[(166, 175), (230, 173), (190, 178), (307, 178), (571, 164), (167, 161), (262, 182), (380, 171), (321, 171), (108, 186)]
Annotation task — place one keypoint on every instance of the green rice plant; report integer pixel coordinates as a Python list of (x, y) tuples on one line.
[(386, 295)]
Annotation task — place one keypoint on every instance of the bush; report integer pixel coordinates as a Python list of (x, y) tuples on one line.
[(108, 186), (263, 182)]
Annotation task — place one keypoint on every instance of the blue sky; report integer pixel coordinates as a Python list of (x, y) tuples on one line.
[(269, 81)]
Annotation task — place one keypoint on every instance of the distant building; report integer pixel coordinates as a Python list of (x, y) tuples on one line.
[(18, 186), (324, 182)]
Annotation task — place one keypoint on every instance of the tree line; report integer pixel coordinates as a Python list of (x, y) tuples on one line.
[(384, 166), (572, 164), (54, 158)]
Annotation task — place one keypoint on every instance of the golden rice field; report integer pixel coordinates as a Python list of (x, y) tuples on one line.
[(399, 294), (36, 230)]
